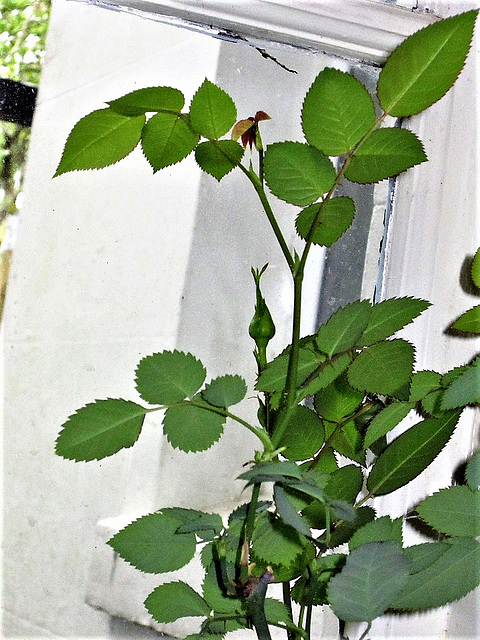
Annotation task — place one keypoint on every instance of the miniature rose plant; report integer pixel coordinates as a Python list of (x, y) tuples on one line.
[(332, 396)]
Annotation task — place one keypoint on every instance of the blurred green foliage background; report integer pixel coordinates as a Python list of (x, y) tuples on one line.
[(23, 30)]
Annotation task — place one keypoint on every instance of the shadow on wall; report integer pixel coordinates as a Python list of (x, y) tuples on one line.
[(123, 629)]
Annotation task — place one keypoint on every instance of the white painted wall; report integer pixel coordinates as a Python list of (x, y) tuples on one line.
[(97, 282)]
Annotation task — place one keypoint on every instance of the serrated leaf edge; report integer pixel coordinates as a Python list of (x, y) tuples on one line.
[(208, 172), (90, 404), (173, 352), (110, 164), (380, 342), (146, 515), (297, 143), (143, 89), (205, 83), (405, 432), (443, 491), (394, 175), (412, 298), (227, 375), (407, 609), (319, 226), (459, 73), (174, 446), (171, 164), (310, 88)]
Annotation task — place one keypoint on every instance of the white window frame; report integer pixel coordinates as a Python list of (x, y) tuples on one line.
[(362, 29), (433, 227)]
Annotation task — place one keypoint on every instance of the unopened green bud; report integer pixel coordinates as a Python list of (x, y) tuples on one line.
[(262, 327)]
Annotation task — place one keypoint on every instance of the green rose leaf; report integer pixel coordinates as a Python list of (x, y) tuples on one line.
[(343, 329), (282, 572), (379, 530), (389, 316), (385, 368), (423, 555), (452, 375), (386, 420), (175, 600), (338, 400), (325, 567), (424, 382), (205, 636), (385, 153), (192, 428), (448, 578), (276, 542), (100, 139), (218, 158), (205, 525), (311, 487), (337, 112), (288, 512), (274, 376), (347, 441), (336, 216), (213, 628), (148, 99), (425, 66), (325, 374), (344, 531), (472, 472), (304, 434), (409, 454), (167, 139), (100, 429), (431, 403), (225, 391), (215, 597), (276, 611), (212, 111), (272, 472), (475, 270), (342, 510), (465, 389), (372, 577), (298, 173), (454, 511), (169, 377), (343, 485), (468, 322), (152, 545)]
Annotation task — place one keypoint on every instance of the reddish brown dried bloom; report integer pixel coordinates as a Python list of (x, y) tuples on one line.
[(247, 129)]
